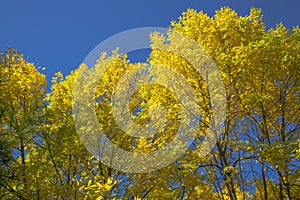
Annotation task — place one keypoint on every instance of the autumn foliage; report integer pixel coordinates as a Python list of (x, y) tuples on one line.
[(257, 155)]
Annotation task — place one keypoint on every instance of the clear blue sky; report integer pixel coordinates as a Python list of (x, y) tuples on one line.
[(59, 34)]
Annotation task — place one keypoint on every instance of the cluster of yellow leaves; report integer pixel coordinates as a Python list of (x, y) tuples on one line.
[(97, 190), (22, 85)]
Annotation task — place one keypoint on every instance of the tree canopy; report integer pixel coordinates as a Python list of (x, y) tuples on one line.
[(256, 155)]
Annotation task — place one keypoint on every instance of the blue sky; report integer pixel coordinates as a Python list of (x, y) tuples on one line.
[(59, 34)]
